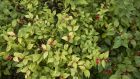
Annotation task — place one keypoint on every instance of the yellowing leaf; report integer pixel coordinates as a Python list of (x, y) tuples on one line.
[(43, 47), (71, 35), (106, 54), (50, 40), (16, 59), (81, 62), (11, 33), (65, 38)]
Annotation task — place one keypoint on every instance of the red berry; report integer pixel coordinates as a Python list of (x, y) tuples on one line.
[(98, 61), (9, 58), (109, 71), (97, 17)]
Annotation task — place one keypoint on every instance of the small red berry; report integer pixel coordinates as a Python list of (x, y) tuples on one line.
[(9, 58), (98, 61), (97, 17), (109, 71)]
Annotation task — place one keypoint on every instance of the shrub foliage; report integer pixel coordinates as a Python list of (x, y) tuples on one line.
[(70, 39)]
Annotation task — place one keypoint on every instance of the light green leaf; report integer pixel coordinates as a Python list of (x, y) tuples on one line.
[(16, 59), (87, 73), (45, 54), (75, 28), (43, 77), (81, 2), (55, 73), (24, 69), (30, 46), (106, 54), (66, 46), (20, 55), (36, 57), (20, 40), (65, 75), (25, 61), (50, 60), (103, 63), (65, 38), (32, 66), (75, 65), (8, 48), (82, 68), (81, 62)]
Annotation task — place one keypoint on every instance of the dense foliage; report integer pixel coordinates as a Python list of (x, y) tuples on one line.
[(69, 39)]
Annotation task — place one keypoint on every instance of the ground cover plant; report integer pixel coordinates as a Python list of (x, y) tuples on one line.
[(69, 39)]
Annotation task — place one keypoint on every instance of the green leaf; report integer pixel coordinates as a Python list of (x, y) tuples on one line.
[(14, 23), (50, 60), (43, 77), (81, 62), (106, 54), (116, 23), (1, 58), (137, 35), (45, 54), (136, 74), (8, 48), (32, 66), (66, 46), (82, 68), (87, 73), (133, 42), (20, 55), (75, 65), (36, 57), (55, 73), (24, 69), (137, 60), (103, 63), (75, 28), (117, 42), (115, 76), (20, 40), (65, 75), (81, 2), (30, 46), (125, 77), (25, 61)]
